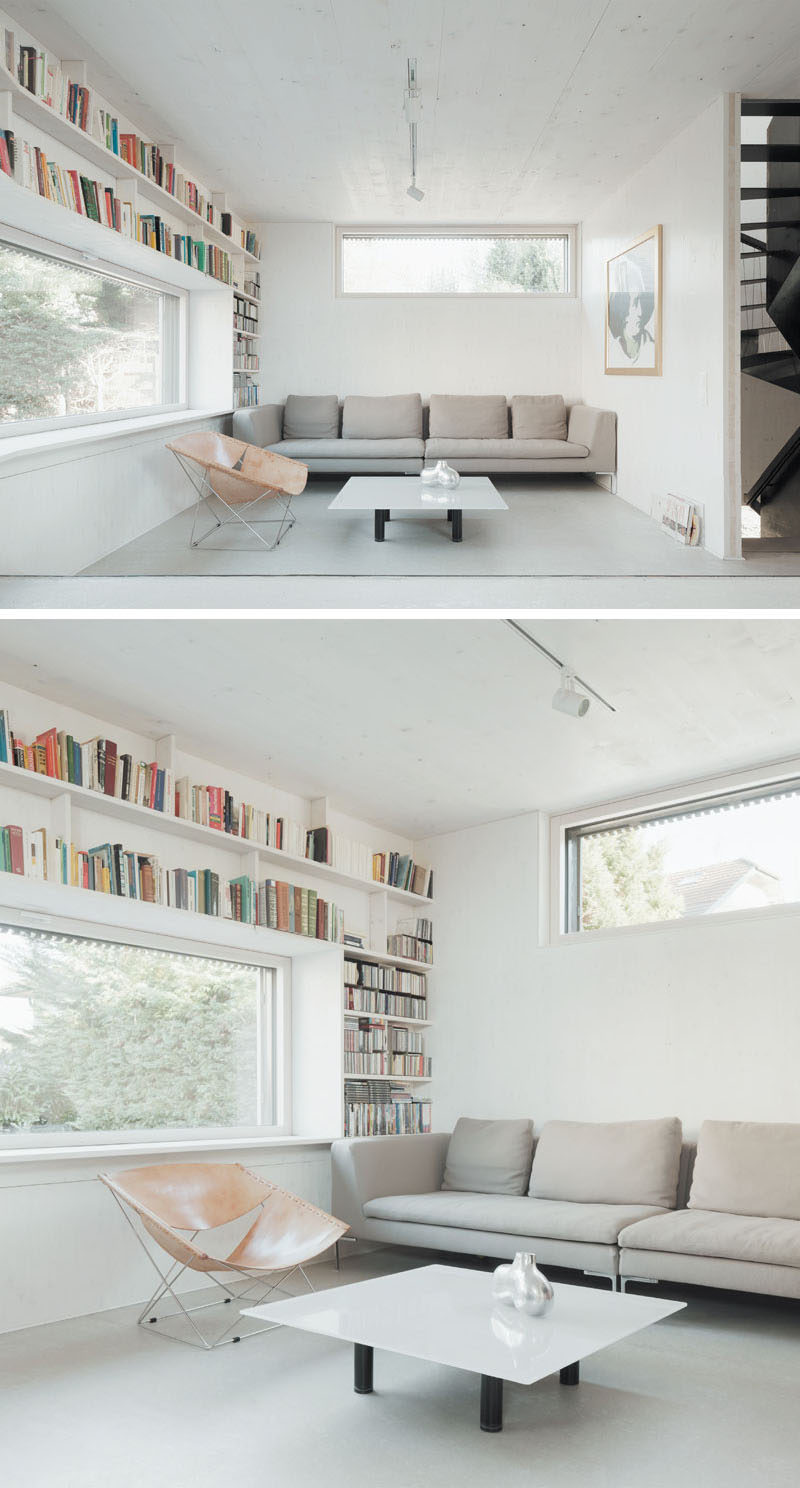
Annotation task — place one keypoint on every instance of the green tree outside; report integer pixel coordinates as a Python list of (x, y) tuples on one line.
[(100, 1037), (624, 882), (533, 267), (72, 341)]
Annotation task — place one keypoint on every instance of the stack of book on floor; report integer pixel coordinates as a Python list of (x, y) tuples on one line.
[(375, 1108), (399, 871)]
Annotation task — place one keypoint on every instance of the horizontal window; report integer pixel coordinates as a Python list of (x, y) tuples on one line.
[(110, 1040), (727, 852), (455, 263), (79, 344)]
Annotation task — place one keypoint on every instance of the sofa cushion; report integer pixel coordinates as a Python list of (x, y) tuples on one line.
[(504, 1214), (539, 417), (732, 1237), (504, 449), (457, 417), (311, 418), (387, 449), (748, 1167), (489, 1157), (608, 1162), (398, 417)]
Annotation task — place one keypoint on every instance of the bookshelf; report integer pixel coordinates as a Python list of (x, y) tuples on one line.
[(373, 910), (246, 340), (380, 1099), (226, 247)]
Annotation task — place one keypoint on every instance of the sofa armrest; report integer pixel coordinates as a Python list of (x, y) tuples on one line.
[(262, 425), (372, 1167), (597, 429)]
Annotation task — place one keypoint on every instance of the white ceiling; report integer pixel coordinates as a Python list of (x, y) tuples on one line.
[(425, 726), (533, 111)]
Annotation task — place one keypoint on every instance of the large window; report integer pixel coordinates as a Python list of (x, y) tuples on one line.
[(78, 344), (455, 263), (121, 1040), (732, 851)]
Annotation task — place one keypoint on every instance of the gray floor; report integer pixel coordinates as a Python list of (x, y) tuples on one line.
[(706, 1397)]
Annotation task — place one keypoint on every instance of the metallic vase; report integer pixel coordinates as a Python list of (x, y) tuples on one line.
[(448, 477), (522, 1285)]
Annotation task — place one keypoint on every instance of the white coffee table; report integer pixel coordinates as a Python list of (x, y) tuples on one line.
[(383, 494), (446, 1314)]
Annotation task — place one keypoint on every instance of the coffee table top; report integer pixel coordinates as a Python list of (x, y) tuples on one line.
[(446, 1314), (409, 493)]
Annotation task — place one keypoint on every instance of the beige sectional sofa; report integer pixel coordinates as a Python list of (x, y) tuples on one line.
[(620, 1199), (399, 434)]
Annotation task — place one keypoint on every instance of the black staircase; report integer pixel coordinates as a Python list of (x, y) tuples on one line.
[(770, 279)]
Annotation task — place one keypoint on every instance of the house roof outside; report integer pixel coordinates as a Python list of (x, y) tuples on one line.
[(706, 890)]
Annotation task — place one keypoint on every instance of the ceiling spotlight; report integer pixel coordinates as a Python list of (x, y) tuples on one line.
[(567, 699), (412, 108)]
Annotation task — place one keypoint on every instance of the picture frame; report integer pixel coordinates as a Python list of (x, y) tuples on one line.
[(633, 308)]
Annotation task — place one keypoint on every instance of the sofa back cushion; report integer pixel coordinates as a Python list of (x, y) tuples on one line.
[(311, 418), (492, 1157), (397, 417), (456, 417), (608, 1162), (539, 418), (748, 1167)]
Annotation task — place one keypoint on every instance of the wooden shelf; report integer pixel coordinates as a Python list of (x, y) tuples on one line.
[(177, 826), (27, 106)]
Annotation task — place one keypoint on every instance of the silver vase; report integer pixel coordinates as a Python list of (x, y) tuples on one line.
[(522, 1285), (447, 476)]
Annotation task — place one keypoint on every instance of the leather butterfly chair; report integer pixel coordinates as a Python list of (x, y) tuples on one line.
[(174, 1203), (237, 477)]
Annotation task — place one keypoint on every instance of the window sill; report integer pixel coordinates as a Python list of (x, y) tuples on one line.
[(142, 1149), (21, 452)]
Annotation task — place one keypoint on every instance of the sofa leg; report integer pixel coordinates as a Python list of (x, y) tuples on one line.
[(640, 1280), (604, 1276)]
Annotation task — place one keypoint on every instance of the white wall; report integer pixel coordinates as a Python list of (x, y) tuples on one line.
[(64, 510), (316, 342), (699, 1020), (670, 427)]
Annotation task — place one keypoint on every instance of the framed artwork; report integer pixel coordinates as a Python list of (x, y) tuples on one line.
[(633, 308)]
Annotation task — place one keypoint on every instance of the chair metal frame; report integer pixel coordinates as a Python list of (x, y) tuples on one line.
[(220, 468), (168, 1280), (199, 477), (277, 1246)]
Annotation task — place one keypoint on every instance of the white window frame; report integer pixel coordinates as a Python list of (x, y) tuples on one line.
[(47, 249), (766, 777), (275, 1042), (569, 230)]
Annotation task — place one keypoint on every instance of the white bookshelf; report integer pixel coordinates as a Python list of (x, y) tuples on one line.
[(246, 343)]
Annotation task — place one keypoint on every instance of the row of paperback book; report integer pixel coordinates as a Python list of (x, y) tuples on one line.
[(243, 317), (411, 948), (402, 1065), (401, 872), (43, 75), (246, 361), (386, 1004), (110, 868), (377, 1108), (373, 1036), (385, 978), (98, 765), (245, 395), (30, 167)]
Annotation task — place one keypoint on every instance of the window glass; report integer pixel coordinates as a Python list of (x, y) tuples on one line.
[(76, 343), (454, 263)]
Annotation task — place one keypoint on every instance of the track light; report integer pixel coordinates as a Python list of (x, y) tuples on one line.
[(412, 108), (567, 699)]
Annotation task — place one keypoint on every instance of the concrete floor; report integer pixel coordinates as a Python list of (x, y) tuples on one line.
[(708, 1397), (564, 543)]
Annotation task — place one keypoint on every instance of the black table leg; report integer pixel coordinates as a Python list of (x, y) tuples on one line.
[(381, 518), (362, 1369), (491, 1403), (570, 1374), (455, 517)]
